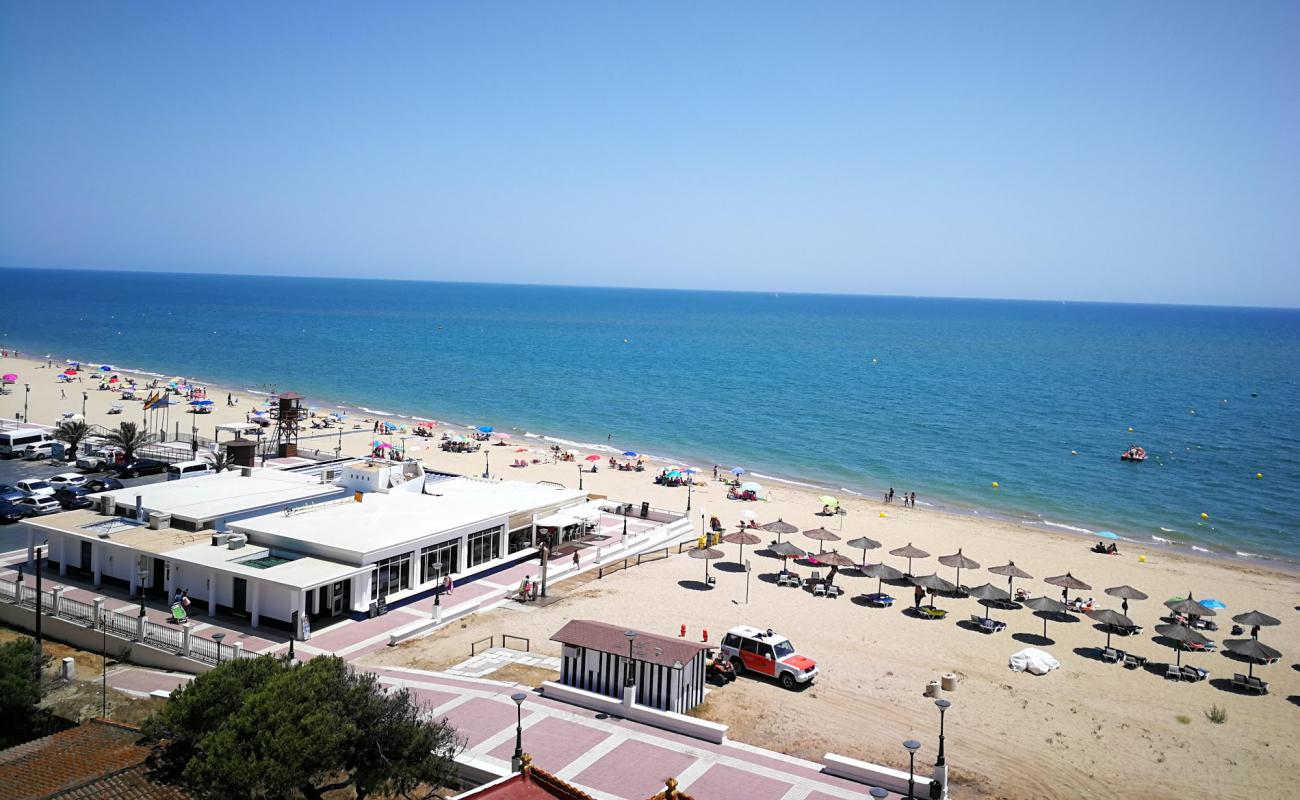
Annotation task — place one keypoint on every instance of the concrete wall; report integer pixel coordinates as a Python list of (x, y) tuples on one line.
[(875, 775), (667, 720), (92, 640)]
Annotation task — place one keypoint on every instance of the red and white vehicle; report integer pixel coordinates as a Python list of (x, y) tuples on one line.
[(767, 653)]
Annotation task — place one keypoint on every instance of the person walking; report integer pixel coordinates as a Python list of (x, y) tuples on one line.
[(576, 561)]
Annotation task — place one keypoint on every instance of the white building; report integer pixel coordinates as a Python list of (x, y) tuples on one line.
[(264, 544)]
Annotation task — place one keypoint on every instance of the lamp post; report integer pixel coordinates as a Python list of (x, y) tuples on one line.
[(84, 397), (689, 487), (142, 574), (631, 637), (103, 665), (580, 476), (26, 394), (217, 637), (912, 746), (39, 611), (943, 705), (517, 760), (487, 464)]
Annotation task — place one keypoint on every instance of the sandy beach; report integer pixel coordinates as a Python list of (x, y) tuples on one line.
[(1088, 729)]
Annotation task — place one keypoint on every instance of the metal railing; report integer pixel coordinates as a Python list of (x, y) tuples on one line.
[(121, 624), (76, 610), (527, 643), (8, 589), (631, 561), (163, 636), (473, 648), (203, 649)]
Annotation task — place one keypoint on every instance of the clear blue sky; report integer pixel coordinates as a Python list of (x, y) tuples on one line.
[(1099, 151)]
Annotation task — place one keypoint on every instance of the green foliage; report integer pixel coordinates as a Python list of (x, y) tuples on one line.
[(1183, 719), (265, 728), (72, 434), (129, 438), (20, 691), (1216, 714), (220, 460)]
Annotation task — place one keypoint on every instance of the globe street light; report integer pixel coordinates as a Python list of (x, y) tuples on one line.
[(877, 792), (943, 705), (517, 760), (217, 637), (912, 746)]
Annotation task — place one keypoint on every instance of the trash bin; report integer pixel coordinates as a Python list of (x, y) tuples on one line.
[(949, 682), (645, 510)]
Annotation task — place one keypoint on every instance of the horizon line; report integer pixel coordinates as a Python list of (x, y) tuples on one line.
[(797, 293)]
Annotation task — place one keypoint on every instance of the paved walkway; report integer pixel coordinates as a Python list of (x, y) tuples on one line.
[(493, 659)]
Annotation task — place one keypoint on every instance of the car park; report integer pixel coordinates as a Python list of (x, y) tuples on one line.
[(142, 466), (12, 512), (13, 443), (764, 652), (72, 497), (34, 486), (39, 451), (66, 480), (40, 504)]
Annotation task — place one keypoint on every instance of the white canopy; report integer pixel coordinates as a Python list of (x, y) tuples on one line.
[(558, 520), (239, 427)]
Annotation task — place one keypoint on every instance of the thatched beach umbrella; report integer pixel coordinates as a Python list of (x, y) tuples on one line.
[(1111, 619), (1252, 650), (787, 550), (989, 593), (1188, 607), (1011, 571), (742, 538), (1068, 582), (779, 527), (934, 584), (706, 554), (883, 572), (835, 559), (909, 552), (821, 535), (1045, 606), (1180, 634), (959, 561), (1126, 593), (1256, 620), (865, 544)]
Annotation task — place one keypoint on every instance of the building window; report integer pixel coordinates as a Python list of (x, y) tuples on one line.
[(390, 575), (439, 560), (483, 546), (521, 538)]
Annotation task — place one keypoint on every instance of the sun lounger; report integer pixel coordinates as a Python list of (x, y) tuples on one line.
[(789, 579), (1133, 662), (880, 599), (1172, 671), (927, 612), (833, 591), (1257, 685), (1128, 630), (1194, 674), (987, 625), (819, 589), (1111, 655)]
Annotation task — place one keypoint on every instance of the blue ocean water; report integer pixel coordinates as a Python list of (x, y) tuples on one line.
[(941, 397)]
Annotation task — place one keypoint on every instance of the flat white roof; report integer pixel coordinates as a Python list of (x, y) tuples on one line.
[(302, 572), (226, 493), (512, 495)]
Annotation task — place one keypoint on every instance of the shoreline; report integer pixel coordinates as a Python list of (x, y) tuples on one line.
[(1237, 559)]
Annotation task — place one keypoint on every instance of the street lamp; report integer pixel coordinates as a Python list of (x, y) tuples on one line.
[(487, 464), (103, 665), (580, 476), (631, 637), (943, 705), (912, 746), (689, 486), (517, 761), (84, 397), (217, 637), (26, 395)]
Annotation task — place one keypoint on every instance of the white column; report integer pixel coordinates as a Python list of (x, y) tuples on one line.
[(99, 610), (63, 553), (57, 594), (256, 606), (97, 559), (131, 584), (212, 593), (185, 641)]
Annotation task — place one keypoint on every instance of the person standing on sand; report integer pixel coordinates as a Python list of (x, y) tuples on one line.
[(913, 500), (715, 472), (918, 596)]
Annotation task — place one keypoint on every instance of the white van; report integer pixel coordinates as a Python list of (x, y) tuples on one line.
[(189, 469), (13, 443)]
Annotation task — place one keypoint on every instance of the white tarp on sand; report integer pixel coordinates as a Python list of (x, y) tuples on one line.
[(1039, 662)]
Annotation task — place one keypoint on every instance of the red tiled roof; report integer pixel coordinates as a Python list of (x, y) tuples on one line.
[(606, 638), (73, 763)]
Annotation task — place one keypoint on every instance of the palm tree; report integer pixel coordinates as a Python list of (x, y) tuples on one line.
[(72, 434), (128, 438), (220, 460)]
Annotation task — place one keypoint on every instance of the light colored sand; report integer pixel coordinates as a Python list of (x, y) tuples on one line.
[(1087, 730)]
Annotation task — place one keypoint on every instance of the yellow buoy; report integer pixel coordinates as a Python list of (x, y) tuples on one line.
[(1130, 429), (1204, 515), (1142, 559), (995, 484), (1259, 476)]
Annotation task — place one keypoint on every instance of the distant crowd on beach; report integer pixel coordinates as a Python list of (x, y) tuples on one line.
[(909, 500)]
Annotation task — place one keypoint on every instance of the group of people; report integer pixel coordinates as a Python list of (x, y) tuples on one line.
[(909, 500), (627, 466), (1105, 549)]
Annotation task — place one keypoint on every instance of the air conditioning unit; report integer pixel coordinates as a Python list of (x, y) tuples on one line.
[(329, 475), (158, 521), (218, 539), (236, 541)]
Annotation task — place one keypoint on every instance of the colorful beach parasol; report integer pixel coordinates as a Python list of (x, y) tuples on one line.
[(592, 457), (629, 454), (1108, 535)]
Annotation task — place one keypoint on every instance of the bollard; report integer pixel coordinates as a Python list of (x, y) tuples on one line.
[(69, 669), (949, 682), (706, 634), (683, 633)]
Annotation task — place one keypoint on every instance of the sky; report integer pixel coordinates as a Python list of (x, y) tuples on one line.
[(1145, 152)]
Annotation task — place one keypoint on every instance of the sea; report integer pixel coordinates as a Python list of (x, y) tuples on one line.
[(1013, 409)]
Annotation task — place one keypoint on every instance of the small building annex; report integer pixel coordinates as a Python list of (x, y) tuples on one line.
[(669, 672)]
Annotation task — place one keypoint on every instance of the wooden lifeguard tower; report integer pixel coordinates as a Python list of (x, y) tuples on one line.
[(287, 413)]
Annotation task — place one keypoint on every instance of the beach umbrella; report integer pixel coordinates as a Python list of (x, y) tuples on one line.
[(1011, 571), (738, 471), (1126, 593), (750, 486), (521, 449), (827, 500), (200, 402), (1111, 619), (69, 371), (835, 559), (706, 554), (629, 454), (691, 471), (1255, 619), (821, 535), (742, 538), (503, 436), (934, 584), (1180, 634), (592, 457), (105, 368), (485, 428), (959, 561), (882, 572), (1252, 650), (1210, 602), (1108, 534), (779, 527), (10, 377), (383, 446), (1189, 607), (909, 552), (864, 543), (1068, 582), (1044, 607), (987, 594), (787, 550)]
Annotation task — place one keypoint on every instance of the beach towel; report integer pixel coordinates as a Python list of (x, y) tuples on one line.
[(1033, 660)]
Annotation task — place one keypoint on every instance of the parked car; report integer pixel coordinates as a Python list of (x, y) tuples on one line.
[(99, 460), (34, 486), (104, 484), (71, 497), (12, 512), (65, 480), (142, 466), (39, 451), (8, 494), (40, 504), (767, 653)]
